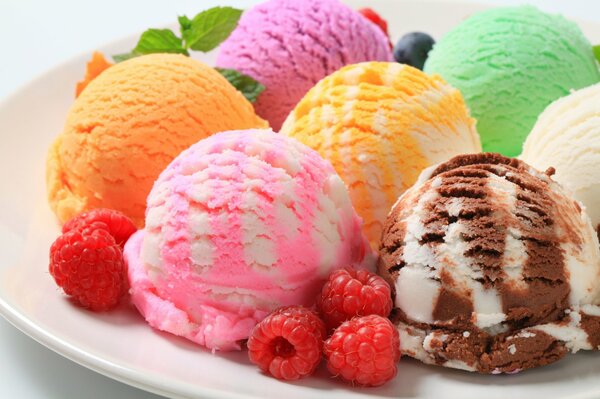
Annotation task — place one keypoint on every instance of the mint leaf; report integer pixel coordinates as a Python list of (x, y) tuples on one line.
[(203, 33), (124, 56), (185, 24), (154, 41), (597, 52), (211, 27), (159, 41), (249, 87)]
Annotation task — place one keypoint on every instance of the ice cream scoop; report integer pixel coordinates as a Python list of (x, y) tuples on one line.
[(129, 123), (290, 45), (510, 63), (380, 124), (495, 269), (237, 225), (567, 137)]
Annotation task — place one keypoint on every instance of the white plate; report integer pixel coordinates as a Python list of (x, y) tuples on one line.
[(120, 345)]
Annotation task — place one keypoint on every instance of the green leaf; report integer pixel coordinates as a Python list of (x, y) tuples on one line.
[(203, 33), (597, 52), (159, 41), (211, 27), (185, 25), (249, 87), (124, 56)]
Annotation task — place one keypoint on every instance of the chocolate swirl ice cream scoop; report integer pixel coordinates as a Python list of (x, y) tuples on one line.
[(495, 268)]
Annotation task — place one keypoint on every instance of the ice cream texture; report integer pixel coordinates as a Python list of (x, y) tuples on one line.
[(380, 124), (510, 63), (237, 225), (290, 45), (129, 123), (567, 137), (495, 268)]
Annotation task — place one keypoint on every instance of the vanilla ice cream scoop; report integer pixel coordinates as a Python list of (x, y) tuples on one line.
[(567, 137), (494, 267)]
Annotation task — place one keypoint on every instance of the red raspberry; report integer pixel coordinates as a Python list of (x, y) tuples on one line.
[(288, 343), (89, 267), (364, 350), (116, 223), (372, 16), (349, 293)]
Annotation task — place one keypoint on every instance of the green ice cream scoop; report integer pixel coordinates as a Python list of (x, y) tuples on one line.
[(510, 63)]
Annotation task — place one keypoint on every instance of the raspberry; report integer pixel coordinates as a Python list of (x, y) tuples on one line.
[(116, 223), (89, 268), (372, 16), (288, 343), (349, 293), (364, 350)]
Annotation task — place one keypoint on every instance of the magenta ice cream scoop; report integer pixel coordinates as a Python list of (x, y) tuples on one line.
[(290, 45)]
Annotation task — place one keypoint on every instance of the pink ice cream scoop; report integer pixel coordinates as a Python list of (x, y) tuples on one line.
[(237, 225), (289, 45)]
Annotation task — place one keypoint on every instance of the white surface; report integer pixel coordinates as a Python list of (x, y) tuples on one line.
[(37, 36)]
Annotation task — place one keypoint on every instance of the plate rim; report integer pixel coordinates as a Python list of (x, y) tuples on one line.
[(89, 360)]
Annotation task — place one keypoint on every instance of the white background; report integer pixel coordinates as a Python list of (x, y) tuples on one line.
[(38, 35)]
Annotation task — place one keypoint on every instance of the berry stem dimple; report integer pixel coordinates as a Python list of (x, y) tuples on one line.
[(283, 348)]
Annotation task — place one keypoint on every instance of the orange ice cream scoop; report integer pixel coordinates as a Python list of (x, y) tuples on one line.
[(380, 124), (129, 123)]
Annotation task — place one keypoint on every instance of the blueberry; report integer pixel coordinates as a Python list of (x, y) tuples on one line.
[(412, 49)]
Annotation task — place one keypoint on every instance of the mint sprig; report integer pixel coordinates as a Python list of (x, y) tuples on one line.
[(185, 24), (159, 41), (209, 28), (124, 56), (245, 84), (596, 50), (155, 41), (203, 33)]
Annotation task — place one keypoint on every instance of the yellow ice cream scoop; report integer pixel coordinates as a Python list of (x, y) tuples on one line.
[(380, 124), (129, 123)]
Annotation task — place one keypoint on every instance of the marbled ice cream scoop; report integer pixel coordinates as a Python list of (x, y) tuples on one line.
[(380, 124), (237, 225), (494, 267)]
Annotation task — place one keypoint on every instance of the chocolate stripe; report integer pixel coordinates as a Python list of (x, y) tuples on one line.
[(451, 305), (547, 285), (463, 205), (591, 326), (514, 353)]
